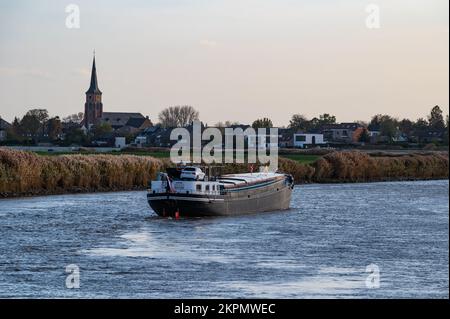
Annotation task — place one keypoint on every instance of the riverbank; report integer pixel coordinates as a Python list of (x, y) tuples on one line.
[(27, 174)]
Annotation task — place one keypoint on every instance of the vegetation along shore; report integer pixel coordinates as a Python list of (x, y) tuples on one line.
[(26, 173)]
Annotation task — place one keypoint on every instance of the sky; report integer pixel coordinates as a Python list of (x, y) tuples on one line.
[(234, 60)]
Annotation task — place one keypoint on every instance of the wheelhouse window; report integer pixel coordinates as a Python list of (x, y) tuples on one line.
[(198, 187)]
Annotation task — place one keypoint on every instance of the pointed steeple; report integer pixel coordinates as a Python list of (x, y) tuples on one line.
[(93, 88)]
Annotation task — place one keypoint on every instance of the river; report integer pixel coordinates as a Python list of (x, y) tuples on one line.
[(374, 240)]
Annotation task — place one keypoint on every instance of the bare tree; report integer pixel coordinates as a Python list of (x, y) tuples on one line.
[(75, 118), (178, 116), (226, 124)]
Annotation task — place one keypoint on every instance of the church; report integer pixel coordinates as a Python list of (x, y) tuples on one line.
[(121, 122)]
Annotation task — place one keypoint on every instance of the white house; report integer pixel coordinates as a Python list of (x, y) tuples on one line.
[(120, 142), (140, 140), (304, 140)]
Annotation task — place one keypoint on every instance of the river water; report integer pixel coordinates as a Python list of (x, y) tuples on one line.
[(321, 248)]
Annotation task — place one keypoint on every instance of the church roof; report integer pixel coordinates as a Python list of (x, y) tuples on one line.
[(120, 118), (93, 88), (136, 121)]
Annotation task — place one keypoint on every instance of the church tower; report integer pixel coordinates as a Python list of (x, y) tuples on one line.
[(93, 108)]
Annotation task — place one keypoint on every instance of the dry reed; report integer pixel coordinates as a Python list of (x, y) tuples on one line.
[(25, 173)]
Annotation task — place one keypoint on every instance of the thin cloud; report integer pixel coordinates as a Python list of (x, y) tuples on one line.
[(208, 43), (82, 71), (33, 72)]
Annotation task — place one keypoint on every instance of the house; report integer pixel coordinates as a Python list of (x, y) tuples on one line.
[(126, 123), (374, 132), (345, 133), (105, 140), (305, 140), (4, 126), (155, 136), (285, 138), (430, 136), (120, 142)]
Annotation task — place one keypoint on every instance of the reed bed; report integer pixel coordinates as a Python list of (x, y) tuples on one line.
[(357, 166), (25, 173)]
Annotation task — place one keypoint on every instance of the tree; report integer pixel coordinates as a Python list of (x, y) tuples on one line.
[(364, 137), (406, 126), (436, 119), (326, 118), (34, 120), (74, 118), (75, 136), (262, 123), (314, 123), (421, 124), (15, 125), (388, 127), (375, 122), (178, 116), (54, 128), (101, 129), (29, 125), (226, 124), (299, 122), (41, 115), (14, 132)]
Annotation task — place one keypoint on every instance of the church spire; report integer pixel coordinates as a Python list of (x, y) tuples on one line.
[(93, 108), (93, 88)]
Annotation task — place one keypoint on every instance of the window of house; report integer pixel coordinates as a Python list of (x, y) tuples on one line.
[(344, 133), (300, 138)]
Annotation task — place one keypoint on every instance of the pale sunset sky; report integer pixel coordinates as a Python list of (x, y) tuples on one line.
[(232, 60)]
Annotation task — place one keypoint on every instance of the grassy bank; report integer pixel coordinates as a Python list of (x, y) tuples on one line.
[(26, 173), (301, 158)]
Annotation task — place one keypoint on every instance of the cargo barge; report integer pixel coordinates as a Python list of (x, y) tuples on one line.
[(190, 193)]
